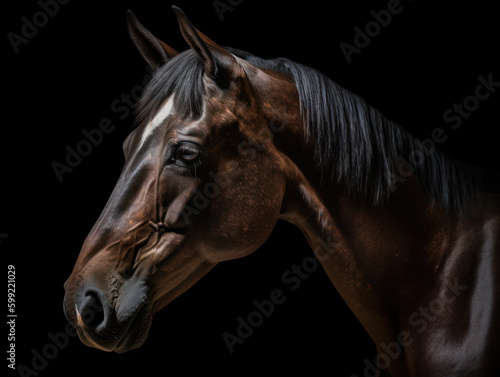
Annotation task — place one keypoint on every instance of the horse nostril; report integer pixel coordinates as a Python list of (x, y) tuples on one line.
[(92, 310)]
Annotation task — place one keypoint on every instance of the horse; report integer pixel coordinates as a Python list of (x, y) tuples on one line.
[(227, 143)]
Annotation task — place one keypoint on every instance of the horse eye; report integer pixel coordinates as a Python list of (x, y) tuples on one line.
[(187, 153)]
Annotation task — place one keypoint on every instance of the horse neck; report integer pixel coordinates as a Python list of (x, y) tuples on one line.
[(354, 240), (365, 249)]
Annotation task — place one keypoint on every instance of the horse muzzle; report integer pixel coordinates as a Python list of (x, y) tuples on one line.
[(110, 314)]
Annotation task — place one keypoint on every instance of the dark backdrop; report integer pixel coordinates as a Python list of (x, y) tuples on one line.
[(65, 79)]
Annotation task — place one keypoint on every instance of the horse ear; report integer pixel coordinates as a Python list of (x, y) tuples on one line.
[(153, 50), (219, 63)]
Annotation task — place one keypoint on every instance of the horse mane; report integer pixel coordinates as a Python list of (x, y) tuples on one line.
[(356, 145), (181, 75)]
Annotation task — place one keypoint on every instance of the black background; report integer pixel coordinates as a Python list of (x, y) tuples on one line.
[(65, 79)]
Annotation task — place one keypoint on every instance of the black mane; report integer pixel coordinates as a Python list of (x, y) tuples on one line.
[(181, 75), (356, 145)]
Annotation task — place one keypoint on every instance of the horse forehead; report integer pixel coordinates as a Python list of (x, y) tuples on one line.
[(166, 109)]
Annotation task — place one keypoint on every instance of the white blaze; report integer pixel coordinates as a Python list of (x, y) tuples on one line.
[(164, 112)]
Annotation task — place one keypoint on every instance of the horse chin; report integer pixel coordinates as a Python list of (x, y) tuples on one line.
[(137, 332)]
